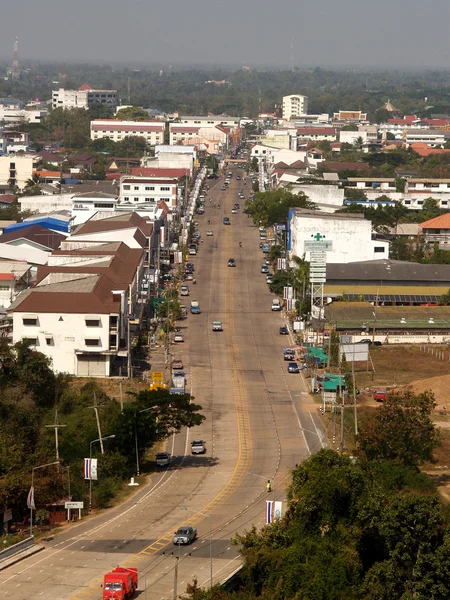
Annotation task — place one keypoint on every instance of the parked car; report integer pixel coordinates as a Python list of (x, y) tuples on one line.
[(184, 535), (369, 341), (178, 338), (190, 265), (226, 221), (269, 279), (198, 447), (209, 233), (284, 330), (177, 364), (231, 262), (380, 395), (264, 269), (222, 188), (293, 368), (184, 290), (217, 326)]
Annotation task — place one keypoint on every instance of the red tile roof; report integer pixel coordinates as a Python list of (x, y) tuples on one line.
[(184, 129), (406, 120), (138, 127), (441, 222), (159, 172), (424, 150)]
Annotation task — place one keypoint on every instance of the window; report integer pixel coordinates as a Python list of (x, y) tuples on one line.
[(444, 202), (97, 205), (49, 340), (407, 201), (379, 249), (126, 199), (136, 188), (126, 187), (92, 322), (136, 199), (12, 165), (420, 202), (30, 321), (92, 342), (165, 189), (149, 189), (32, 340)]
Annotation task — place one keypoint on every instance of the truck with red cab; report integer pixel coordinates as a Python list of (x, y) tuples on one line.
[(120, 583)]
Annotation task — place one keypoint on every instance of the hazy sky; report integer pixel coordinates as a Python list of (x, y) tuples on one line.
[(324, 32)]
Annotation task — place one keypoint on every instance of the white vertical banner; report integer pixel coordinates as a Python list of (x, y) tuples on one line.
[(288, 293), (281, 264), (273, 511), (30, 499), (90, 468), (289, 304)]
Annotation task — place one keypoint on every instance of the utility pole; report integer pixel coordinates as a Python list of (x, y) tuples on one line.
[(56, 426), (175, 576), (96, 407)]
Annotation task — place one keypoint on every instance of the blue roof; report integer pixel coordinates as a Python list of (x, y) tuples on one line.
[(47, 222)]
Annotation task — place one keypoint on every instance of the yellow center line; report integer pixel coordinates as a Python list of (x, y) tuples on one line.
[(245, 449)]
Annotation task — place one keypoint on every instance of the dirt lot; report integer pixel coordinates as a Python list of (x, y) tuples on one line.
[(408, 366)]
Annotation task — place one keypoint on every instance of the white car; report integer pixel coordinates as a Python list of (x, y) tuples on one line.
[(184, 290), (217, 326), (233, 211), (178, 338), (209, 232)]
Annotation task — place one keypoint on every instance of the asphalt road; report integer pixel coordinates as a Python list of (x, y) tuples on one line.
[(258, 425)]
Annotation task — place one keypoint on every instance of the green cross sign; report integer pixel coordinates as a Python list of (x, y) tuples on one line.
[(317, 237)]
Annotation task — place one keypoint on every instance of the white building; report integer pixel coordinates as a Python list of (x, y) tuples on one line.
[(15, 276), (84, 206), (349, 234), (317, 133), (209, 121), (151, 190), (172, 157), (294, 105), (17, 170), (431, 137), (83, 97), (182, 133), (151, 131), (280, 138)]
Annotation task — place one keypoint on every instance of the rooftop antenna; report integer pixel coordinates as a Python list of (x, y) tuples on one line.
[(15, 70)]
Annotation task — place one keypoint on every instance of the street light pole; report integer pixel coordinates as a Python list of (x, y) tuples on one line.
[(136, 436), (56, 462), (108, 437)]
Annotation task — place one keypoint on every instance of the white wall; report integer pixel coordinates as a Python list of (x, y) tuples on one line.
[(46, 204), (68, 336), (351, 238), (349, 137)]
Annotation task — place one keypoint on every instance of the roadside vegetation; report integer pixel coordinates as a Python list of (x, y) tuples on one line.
[(366, 527), (33, 398)]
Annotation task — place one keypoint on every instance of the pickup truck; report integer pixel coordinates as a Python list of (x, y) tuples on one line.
[(198, 447), (163, 459), (185, 535), (195, 308)]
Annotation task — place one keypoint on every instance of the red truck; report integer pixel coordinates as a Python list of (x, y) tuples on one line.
[(120, 583), (380, 395)]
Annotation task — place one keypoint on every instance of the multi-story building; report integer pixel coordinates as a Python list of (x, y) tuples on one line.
[(294, 106), (83, 97), (149, 190), (186, 134), (317, 133), (209, 121), (151, 131), (350, 236), (17, 170)]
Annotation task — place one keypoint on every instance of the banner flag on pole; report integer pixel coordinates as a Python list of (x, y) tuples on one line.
[(90, 468), (30, 499), (273, 511)]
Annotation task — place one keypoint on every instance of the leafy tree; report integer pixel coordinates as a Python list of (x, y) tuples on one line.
[(97, 110), (354, 194), (444, 300), (273, 206), (132, 113), (401, 430), (400, 249), (350, 127)]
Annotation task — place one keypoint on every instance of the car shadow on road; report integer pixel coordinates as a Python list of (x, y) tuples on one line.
[(196, 461)]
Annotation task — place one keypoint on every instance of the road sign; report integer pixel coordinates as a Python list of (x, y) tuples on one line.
[(157, 376), (321, 245), (68, 505)]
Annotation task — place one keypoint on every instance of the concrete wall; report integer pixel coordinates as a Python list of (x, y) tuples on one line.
[(351, 238), (328, 195)]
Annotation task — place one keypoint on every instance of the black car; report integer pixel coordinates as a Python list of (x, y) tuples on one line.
[(369, 341), (231, 262), (284, 330)]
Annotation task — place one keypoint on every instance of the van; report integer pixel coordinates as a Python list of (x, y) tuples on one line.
[(276, 304), (193, 249)]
